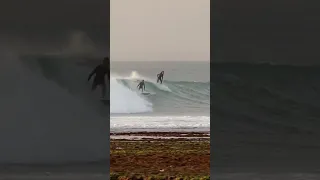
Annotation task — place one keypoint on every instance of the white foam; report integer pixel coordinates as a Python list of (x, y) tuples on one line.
[(159, 122), (124, 100)]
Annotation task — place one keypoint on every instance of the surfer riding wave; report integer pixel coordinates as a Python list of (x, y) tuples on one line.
[(160, 77), (141, 86)]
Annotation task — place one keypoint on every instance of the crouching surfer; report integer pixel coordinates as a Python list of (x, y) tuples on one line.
[(141, 86)]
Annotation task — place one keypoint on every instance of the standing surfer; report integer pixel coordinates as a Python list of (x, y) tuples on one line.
[(141, 86), (160, 77), (100, 71)]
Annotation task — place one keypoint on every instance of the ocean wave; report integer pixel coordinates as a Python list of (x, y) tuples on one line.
[(170, 94), (266, 97)]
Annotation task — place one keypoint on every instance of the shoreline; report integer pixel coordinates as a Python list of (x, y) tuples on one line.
[(159, 130)]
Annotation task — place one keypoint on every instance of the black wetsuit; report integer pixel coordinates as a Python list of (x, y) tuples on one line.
[(160, 78), (141, 86), (99, 78)]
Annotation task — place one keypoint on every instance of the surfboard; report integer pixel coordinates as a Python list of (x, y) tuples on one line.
[(145, 93)]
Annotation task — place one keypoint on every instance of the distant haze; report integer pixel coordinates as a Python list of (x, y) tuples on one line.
[(160, 30)]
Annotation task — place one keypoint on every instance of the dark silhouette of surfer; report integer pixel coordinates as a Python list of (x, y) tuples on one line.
[(99, 80), (141, 86), (160, 77)]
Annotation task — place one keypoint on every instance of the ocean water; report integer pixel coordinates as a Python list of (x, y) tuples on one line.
[(181, 103), (266, 121)]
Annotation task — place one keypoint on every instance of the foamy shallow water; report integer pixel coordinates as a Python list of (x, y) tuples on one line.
[(160, 123)]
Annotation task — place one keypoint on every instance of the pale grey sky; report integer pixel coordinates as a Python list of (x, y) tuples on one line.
[(159, 30)]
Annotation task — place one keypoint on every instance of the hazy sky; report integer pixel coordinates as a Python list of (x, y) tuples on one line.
[(160, 30)]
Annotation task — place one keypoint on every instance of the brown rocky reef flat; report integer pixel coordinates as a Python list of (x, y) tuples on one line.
[(162, 158)]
